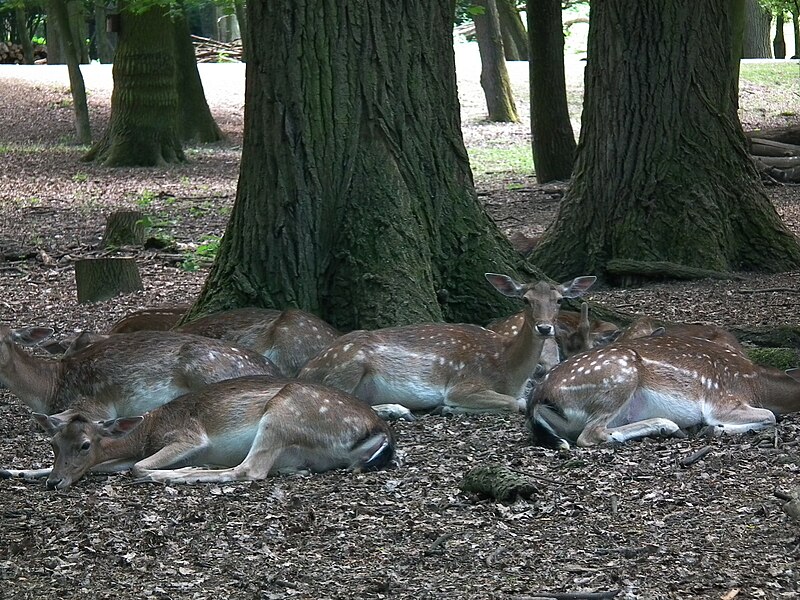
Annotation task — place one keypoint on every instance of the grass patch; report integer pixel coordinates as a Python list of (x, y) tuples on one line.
[(509, 160), (780, 75)]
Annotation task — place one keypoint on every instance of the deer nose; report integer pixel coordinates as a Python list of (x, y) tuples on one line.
[(53, 484), (545, 329)]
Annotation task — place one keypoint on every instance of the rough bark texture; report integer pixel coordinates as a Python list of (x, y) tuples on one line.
[(355, 197), (756, 31), (515, 38), (494, 76), (662, 172), (196, 122), (552, 138), (83, 131), (143, 130), (99, 279)]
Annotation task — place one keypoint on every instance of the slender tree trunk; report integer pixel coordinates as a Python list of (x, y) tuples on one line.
[(756, 31), (24, 35), (105, 48), (244, 30), (355, 197), (515, 38), (55, 54), (83, 132), (796, 28), (78, 29), (144, 126), (779, 42), (552, 138), (662, 173), (196, 121), (494, 76)]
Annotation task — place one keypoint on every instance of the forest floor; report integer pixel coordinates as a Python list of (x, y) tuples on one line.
[(627, 518)]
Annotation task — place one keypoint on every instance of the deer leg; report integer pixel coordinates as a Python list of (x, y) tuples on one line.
[(740, 419), (28, 474), (176, 453), (598, 433), (460, 400)]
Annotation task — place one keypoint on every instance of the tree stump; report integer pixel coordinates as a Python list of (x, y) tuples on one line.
[(124, 228), (99, 279)]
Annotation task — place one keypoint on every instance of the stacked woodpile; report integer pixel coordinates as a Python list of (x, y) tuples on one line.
[(208, 50), (777, 153), (12, 53)]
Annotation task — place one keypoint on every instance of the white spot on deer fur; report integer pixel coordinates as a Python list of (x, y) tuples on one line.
[(346, 347), (323, 410), (622, 362), (314, 328)]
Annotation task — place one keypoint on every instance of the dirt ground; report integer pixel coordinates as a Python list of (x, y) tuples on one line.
[(630, 519)]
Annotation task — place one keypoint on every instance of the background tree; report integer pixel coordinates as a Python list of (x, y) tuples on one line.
[(756, 30), (515, 37), (59, 13), (494, 75), (661, 171), (23, 33), (355, 197), (552, 138)]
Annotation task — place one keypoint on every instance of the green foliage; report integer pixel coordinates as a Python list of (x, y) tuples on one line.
[(778, 358), (772, 75), (205, 253), (80, 177), (146, 198)]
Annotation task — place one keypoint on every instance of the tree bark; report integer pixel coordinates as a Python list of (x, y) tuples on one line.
[(55, 54), (796, 27), (196, 122), (83, 131), (662, 172), (99, 279), (23, 34), (756, 31), (144, 128), (244, 31), (355, 198), (494, 76), (552, 138), (102, 41), (779, 42), (78, 30), (515, 38)]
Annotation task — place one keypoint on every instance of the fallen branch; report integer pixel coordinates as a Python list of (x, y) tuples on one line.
[(569, 595), (696, 456)]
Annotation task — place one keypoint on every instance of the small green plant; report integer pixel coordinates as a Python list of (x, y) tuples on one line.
[(205, 253), (80, 177), (146, 198)]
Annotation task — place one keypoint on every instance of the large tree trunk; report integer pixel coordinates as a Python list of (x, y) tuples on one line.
[(756, 31), (662, 172), (143, 130), (196, 121), (552, 138), (494, 75), (102, 41), (515, 38), (355, 197), (83, 132), (55, 54)]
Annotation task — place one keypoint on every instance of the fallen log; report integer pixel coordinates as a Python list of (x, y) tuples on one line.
[(762, 147)]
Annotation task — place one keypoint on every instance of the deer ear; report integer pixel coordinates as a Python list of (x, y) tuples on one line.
[(504, 284), (578, 286), (30, 336), (122, 426), (794, 373), (52, 425)]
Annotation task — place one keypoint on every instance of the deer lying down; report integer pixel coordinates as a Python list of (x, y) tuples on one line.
[(123, 375), (251, 426), (656, 385), (459, 368), (288, 338)]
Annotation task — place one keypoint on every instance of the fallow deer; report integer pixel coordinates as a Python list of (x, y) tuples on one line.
[(657, 385), (123, 374), (150, 319), (575, 332), (251, 426), (454, 367)]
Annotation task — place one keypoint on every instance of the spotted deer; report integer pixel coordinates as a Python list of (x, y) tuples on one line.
[(122, 375), (454, 367), (657, 385), (249, 427), (288, 338), (575, 332)]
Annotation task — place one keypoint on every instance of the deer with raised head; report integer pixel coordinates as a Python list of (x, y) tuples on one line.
[(249, 427), (122, 374), (656, 385), (455, 367), (575, 332)]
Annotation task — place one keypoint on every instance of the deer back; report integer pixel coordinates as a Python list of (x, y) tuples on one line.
[(222, 325), (150, 319)]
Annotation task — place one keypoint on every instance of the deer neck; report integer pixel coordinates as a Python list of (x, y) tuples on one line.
[(523, 350), (777, 391), (33, 380)]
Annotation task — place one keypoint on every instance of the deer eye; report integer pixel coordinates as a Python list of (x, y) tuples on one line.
[(86, 445)]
